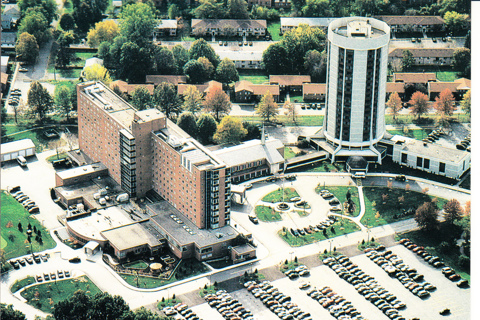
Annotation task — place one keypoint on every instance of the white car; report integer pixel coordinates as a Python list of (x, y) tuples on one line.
[(304, 285), (169, 311)]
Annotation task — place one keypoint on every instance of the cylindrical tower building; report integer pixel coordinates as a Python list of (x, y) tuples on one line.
[(357, 51)]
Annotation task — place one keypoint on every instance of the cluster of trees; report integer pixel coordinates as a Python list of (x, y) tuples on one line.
[(444, 104), (342, 8), (301, 50), (85, 15), (218, 9)]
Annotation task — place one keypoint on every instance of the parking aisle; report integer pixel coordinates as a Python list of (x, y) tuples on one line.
[(253, 304)]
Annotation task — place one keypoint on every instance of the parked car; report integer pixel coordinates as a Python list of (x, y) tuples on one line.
[(75, 260), (248, 186), (401, 178), (253, 218)]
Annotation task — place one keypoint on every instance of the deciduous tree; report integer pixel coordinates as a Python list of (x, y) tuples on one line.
[(47, 7), (63, 101), (166, 99), (230, 130), (226, 72), (237, 9), (200, 48), (455, 21), (467, 102), (8, 312), (104, 31), (137, 22), (35, 23), (67, 22), (96, 72), (164, 61), (39, 100), (135, 62), (407, 60), (210, 9), (317, 8), (27, 48), (192, 99), (419, 104), (195, 71), (445, 103), (267, 108), (173, 11), (181, 56), (315, 65), (427, 216), (206, 128), (208, 67), (291, 111), (141, 98), (452, 211), (275, 59), (187, 122), (462, 61), (395, 104), (217, 102), (85, 16)]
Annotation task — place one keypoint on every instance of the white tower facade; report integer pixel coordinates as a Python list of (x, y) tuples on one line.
[(357, 51)]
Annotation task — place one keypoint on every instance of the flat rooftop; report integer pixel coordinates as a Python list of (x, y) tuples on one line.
[(111, 103), (83, 170), (184, 232), (251, 151), (17, 146), (133, 235), (92, 226)]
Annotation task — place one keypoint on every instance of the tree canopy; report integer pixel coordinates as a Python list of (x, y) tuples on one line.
[(200, 48), (35, 23), (267, 108), (137, 22), (217, 102), (210, 9), (192, 99), (164, 61), (187, 122), (462, 61), (67, 22), (427, 216), (419, 104), (166, 99), (453, 211), (467, 102), (394, 103), (230, 130), (226, 71), (9, 313), (97, 72), (39, 100), (237, 9), (195, 71), (104, 31), (141, 98), (445, 103), (47, 7), (63, 100), (27, 48), (407, 60), (206, 128)]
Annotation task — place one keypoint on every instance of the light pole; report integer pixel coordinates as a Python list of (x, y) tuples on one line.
[(330, 241), (291, 252)]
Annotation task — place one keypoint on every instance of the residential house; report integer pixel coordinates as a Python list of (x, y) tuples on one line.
[(245, 91), (459, 87), (314, 91), (243, 59), (424, 57), (414, 77), (12, 10), (203, 88), (278, 4), (413, 23), (7, 22), (261, 3), (229, 27), (288, 23), (8, 39), (128, 88), (166, 27), (292, 83), (156, 79), (397, 87)]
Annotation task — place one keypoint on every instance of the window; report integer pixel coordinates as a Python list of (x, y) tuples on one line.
[(419, 161), (426, 164), (441, 168), (404, 158)]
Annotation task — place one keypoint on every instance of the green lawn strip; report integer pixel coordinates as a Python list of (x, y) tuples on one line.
[(274, 30), (288, 153), (254, 76), (369, 244), (3, 243), (431, 241), (341, 227), (324, 166), (418, 134), (277, 195), (64, 83), (170, 302), (55, 157), (296, 98), (447, 76), (304, 121), (19, 284), (290, 265), (139, 264), (13, 213), (207, 290), (391, 205), (44, 296), (267, 214), (341, 193), (427, 119), (188, 268)]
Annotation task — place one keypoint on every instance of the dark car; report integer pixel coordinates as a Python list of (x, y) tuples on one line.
[(271, 179), (434, 39), (334, 202), (401, 178), (462, 283), (75, 260)]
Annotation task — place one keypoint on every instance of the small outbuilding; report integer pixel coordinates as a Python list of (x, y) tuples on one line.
[(92, 247), (12, 150)]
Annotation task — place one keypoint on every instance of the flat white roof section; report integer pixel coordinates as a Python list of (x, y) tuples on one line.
[(16, 146)]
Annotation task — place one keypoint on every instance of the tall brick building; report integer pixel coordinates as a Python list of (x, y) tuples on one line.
[(143, 151)]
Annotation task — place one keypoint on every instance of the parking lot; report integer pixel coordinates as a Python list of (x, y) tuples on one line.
[(447, 294)]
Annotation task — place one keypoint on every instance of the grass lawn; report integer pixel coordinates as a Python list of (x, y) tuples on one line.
[(207, 290), (13, 213), (324, 166), (168, 303), (54, 157), (40, 141), (290, 265), (341, 193), (447, 76), (45, 296), (267, 214), (369, 244), (64, 83), (19, 284), (188, 268), (139, 264), (416, 134), (341, 227), (431, 241), (304, 121), (391, 206), (254, 76), (288, 153), (65, 73), (428, 119), (277, 195), (296, 98), (274, 30)]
